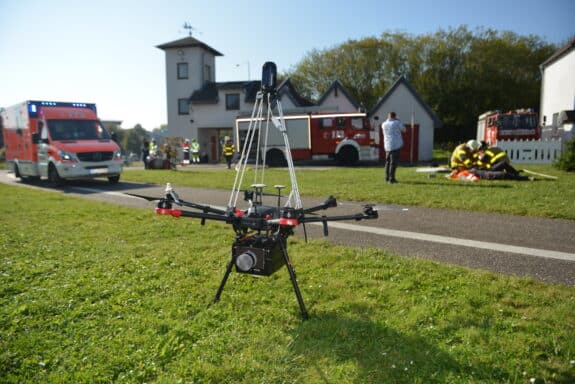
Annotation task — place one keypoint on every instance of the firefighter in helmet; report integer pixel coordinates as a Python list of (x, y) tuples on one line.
[(229, 151), (493, 163), (195, 148), (464, 155)]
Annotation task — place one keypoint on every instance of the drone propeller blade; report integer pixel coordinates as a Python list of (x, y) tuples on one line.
[(387, 208), (149, 198)]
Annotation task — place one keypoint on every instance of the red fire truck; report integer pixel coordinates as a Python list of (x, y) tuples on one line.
[(512, 125), (345, 137), (58, 140)]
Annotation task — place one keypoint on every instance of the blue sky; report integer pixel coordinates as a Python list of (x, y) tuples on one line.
[(105, 51)]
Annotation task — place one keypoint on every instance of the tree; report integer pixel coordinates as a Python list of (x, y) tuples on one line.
[(459, 73)]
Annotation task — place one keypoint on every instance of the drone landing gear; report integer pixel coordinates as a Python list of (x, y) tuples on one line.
[(261, 256)]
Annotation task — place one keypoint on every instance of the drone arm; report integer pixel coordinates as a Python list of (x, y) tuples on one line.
[(368, 213), (356, 216), (203, 208), (197, 215), (330, 202)]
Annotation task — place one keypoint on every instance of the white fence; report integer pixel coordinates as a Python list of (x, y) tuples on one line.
[(532, 151)]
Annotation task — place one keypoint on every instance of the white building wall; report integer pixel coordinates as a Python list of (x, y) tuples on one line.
[(197, 58), (403, 103), (558, 88), (338, 103)]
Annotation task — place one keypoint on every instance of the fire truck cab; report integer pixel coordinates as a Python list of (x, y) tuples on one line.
[(59, 141), (512, 125), (345, 137)]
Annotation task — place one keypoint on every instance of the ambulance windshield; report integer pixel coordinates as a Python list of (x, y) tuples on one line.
[(61, 130)]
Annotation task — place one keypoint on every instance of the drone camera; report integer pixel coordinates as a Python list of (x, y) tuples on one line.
[(258, 255)]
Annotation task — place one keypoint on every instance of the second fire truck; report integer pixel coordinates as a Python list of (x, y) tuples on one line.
[(518, 124)]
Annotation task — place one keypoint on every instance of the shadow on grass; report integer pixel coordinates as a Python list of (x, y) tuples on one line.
[(332, 342)]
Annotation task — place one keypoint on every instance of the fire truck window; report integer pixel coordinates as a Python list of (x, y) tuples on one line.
[(357, 123), (326, 123), (340, 122)]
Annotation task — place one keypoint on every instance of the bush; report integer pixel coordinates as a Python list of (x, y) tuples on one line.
[(567, 160)]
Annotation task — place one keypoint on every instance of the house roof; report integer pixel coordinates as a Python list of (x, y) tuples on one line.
[(335, 87), (564, 50), (402, 80), (208, 94), (188, 42), (286, 87)]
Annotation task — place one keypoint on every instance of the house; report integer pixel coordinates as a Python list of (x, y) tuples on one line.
[(202, 108), (558, 93), (404, 100)]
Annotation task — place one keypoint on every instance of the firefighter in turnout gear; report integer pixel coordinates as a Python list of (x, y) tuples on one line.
[(229, 151), (464, 155), (195, 148), (493, 163)]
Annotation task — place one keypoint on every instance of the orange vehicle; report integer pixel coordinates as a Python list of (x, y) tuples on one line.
[(518, 124), (59, 141)]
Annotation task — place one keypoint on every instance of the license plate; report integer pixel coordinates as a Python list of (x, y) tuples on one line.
[(98, 171)]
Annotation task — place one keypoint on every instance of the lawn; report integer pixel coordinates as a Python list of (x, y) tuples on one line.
[(95, 293), (542, 198)]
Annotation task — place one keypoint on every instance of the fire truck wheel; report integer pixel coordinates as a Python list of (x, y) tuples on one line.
[(53, 176), (347, 155), (275, 158), (17, 172)]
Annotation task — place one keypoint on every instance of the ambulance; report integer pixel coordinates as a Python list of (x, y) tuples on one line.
[(59, 141)]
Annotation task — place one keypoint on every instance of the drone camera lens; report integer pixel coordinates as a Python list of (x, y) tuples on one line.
[(246, 261)]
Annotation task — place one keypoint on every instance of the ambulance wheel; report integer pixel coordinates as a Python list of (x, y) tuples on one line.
[(348, 155), (53, 176), (114, 179), (276, 158)]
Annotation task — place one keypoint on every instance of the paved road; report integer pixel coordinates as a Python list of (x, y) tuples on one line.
[(540, 248)]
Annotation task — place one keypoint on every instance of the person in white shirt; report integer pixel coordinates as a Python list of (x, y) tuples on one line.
[(392, 143)]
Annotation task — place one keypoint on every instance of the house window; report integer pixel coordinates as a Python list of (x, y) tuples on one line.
[(183, 107), (207, 73), (182, 70), (232, 101)]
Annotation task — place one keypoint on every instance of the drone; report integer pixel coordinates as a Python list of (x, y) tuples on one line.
[(261, 230)]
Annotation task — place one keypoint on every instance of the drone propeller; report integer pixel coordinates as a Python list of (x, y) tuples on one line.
[(385, 208), (149, 198)]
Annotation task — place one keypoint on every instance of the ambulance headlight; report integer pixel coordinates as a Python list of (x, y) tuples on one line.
[(67, 156), (118, 155)]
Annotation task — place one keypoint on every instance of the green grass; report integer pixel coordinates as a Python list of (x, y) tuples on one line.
[(541, 198), (95, 293)]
